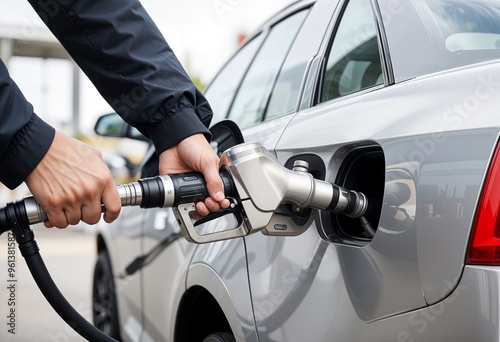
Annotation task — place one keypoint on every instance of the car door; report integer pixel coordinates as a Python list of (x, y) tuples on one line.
[(126, 237), (328, 277), (167, 256), (297, 287)]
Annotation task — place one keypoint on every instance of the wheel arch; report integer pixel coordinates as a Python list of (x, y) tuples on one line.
[(207, 299), (100, 243)]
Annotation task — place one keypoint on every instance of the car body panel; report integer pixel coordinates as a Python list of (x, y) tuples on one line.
[(294, 279), (475, 296), (436, 132), (395, 259), (220, 268)]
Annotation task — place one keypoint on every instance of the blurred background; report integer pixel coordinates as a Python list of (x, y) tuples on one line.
[(203, 34)]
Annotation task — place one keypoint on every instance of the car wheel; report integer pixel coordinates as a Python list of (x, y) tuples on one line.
[(220, 337), (104, 305)]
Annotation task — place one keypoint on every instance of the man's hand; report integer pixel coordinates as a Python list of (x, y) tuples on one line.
[(195, 154), (71, 182)]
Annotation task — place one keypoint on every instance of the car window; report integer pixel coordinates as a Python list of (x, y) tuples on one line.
[(285, 93), (353, 61), (252, 98), (221, 90), (470, 29), (444, 34)]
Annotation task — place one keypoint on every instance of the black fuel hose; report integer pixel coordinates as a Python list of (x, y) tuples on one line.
[(160, 191), (14, 215), (56, 299)]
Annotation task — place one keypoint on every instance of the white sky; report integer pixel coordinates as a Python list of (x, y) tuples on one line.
[(203, 35)]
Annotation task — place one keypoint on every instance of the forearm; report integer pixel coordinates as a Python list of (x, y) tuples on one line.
[(24, 137), (118, 46)]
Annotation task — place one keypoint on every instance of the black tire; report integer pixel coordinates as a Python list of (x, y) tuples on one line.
[(104, 305), (220, 337)]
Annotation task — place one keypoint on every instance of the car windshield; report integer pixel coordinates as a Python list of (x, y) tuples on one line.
[(440, 34)]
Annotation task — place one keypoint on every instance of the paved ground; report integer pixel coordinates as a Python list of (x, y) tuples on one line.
[(69, 255)]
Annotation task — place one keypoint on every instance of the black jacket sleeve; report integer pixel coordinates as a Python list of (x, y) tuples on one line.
[(121, 50), (24, 137)]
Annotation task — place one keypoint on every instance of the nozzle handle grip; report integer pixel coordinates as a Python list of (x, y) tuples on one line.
[(191, 187)]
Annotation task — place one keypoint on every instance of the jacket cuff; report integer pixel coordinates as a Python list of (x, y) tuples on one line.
[(175, 128), (25, 151)]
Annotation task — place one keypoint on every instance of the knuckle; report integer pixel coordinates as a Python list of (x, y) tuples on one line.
[(91, 219), (73, 222), (97, 152), (89, 191), (53, 203), (113, 212), (58, 222)]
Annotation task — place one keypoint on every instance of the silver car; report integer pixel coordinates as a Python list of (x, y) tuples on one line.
[(398, 99)]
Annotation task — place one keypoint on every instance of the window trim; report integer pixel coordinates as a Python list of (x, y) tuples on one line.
[(265, 116), (266, 30), (260, 35), (385, 61)]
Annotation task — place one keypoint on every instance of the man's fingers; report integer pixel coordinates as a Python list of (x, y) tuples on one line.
[(70, 182), (91, 213), (112, 204), (73, 216), (194, 153), (216, 191), (56, 219), (202, 209), (214, 185)]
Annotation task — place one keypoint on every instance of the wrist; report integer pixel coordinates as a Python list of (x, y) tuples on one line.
[(25, 151)]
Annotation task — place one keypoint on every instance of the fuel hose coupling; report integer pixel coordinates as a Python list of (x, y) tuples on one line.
[(348, 202)]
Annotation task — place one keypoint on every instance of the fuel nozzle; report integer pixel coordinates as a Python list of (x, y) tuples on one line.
[(351, 203), (260, 189), (328, 196), (265, 187)]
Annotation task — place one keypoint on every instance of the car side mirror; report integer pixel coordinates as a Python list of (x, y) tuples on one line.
[(225, 134), (112, 125)]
